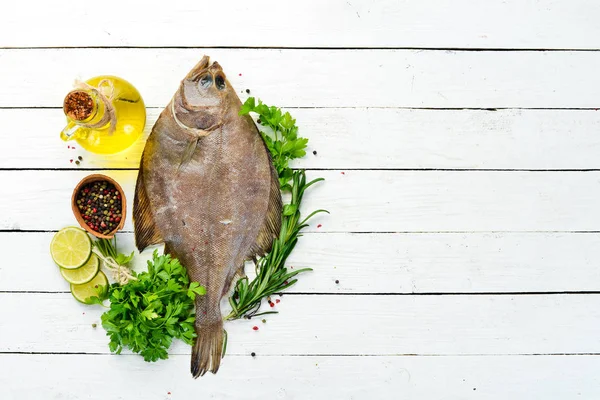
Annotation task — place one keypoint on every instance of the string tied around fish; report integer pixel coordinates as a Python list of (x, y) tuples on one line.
[(105, 92), (196, 133)]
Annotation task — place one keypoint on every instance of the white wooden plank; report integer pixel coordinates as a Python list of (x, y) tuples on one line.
[(361, 138), (320, 78), (379, 263), (338, 23), (340, 325), (126, 377), (365, 201)]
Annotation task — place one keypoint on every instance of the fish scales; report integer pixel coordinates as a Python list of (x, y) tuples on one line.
[(208, 190)]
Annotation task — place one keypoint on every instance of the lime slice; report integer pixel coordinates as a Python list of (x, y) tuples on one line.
[(96, 287), (83, 274), (71, 247)]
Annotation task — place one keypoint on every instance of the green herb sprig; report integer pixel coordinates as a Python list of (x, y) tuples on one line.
[(108, 248), (117, 263), (271, 274), (146, 314), (283, 141)]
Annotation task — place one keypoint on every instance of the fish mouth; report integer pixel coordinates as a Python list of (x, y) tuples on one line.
[(198, 68), (203, 67)]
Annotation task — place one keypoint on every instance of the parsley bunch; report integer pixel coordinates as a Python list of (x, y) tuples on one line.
[(283, 141), (271, 274), (148, 312)]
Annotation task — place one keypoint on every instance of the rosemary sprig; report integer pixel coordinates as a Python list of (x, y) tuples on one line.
[(271, 274)]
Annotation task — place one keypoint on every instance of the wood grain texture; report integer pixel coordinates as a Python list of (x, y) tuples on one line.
[(341, 325), (375, 86), (337, 23), (361, 138), (321, 78), (366, 201), (383, 378), (378, 263)]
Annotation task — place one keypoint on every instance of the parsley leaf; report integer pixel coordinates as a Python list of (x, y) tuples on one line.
[(147, 313), (281, 139)]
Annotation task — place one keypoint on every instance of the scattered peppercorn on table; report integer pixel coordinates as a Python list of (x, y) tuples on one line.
[(459, 143)]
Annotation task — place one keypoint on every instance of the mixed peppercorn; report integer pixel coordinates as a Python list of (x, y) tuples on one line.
[(100, 206)]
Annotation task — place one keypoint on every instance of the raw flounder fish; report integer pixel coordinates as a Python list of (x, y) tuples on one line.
[(208, 190)]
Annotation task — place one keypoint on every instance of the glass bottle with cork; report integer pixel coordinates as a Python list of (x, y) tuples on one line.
[(105, 114)]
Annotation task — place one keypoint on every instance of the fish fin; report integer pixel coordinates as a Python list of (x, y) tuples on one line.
[(239, 274), (188, 153), (231, 281), (146, 232), (168, 249), (208, 349), (272, 222)]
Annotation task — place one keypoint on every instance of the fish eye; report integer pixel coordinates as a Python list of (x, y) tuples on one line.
[(220, 82), (205, 81)]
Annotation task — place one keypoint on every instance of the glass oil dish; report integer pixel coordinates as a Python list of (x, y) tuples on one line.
[(105, 115)]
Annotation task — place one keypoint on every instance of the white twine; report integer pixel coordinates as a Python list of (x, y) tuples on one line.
[(120, 273), (110, 115)]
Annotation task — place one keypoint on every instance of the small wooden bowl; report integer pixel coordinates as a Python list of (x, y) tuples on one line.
[(95, 178)]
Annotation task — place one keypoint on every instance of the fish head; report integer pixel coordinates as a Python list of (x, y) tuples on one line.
[(201, 101)]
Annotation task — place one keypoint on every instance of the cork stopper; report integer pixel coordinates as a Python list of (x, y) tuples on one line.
[(78, 105)]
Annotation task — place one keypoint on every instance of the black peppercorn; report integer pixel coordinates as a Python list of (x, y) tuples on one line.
[(100, 205)]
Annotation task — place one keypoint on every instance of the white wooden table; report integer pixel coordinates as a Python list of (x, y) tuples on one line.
[(460, 141)]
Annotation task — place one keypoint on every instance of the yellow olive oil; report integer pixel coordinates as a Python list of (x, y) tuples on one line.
[(105, 115)]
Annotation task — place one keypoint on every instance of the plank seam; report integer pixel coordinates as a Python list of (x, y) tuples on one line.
[(337, 169), (361, 232), (324, 48), (490, 109), (27, 353), (382, 294)]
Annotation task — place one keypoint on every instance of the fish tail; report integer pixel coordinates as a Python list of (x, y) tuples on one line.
[(208, 349)]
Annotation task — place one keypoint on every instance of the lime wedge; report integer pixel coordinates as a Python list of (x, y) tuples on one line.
[(83, 274), (96, 287), (71, 247)]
